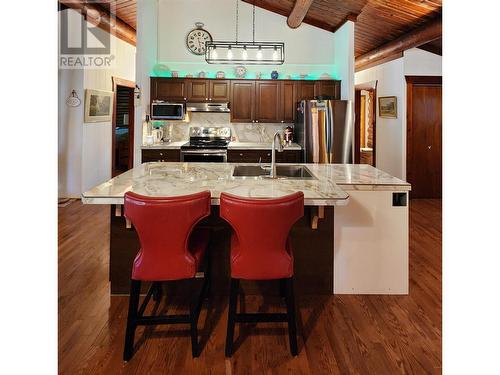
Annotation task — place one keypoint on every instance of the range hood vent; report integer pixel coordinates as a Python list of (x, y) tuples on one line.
[(208, 107)]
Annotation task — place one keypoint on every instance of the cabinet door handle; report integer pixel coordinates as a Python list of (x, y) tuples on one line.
[(282, 121), (268, 154), (241, 154), (161, 153), (256, 120), (206, 98)]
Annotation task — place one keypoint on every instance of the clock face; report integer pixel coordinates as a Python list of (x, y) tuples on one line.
[(196, 39)]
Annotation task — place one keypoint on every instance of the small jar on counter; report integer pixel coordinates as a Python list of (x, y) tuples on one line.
[(288, 135)]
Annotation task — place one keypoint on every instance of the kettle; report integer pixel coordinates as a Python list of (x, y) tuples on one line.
[(158, 135)]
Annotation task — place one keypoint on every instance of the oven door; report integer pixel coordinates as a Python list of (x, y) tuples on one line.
[(204, 156)]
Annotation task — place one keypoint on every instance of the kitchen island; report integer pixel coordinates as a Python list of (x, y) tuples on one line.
[(359, 247)]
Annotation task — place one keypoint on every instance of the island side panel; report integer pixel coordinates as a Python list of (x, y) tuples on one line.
[(313, 255), (371, 244)]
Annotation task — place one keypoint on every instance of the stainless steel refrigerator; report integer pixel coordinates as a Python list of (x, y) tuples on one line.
[(325, 131)]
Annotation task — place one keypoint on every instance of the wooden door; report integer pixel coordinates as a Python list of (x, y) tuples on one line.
[(424, 132), (198, 90), (242, 101), (168, 89), (288, 101), (122, 140), (305, 90), (268, 101), (329, 88), (219, 90)]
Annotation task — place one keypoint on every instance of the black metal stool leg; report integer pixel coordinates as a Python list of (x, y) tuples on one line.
[(135, 289), (290, 312), (282, 288), (194, 313), (231, 316)]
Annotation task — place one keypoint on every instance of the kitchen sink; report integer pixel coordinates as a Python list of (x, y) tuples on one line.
[(282, 171)]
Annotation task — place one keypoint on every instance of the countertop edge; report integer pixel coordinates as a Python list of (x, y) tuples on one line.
[(216, 201)]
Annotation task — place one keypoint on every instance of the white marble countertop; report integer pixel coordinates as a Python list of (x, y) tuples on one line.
[(232, 145), (170, 179)]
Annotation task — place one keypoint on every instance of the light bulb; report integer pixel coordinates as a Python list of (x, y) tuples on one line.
[(229, 53), (244, 54), (275, 54), (259, 54)]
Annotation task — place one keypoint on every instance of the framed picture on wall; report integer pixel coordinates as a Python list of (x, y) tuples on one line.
[(388, 106), (98, 105)]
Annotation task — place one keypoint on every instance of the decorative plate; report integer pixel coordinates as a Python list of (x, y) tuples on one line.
[(240, 71)]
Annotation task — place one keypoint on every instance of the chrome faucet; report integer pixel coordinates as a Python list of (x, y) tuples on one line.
[(273, 152)]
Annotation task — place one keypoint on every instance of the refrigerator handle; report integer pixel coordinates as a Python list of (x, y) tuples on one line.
[(329, 131)]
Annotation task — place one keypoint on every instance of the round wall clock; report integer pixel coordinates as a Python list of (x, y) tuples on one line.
[(196, 39)]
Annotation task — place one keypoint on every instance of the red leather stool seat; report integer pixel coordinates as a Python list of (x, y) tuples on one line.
[(260, 248), (169, 251)]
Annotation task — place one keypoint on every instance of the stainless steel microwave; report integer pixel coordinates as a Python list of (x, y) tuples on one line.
[(168, 111)]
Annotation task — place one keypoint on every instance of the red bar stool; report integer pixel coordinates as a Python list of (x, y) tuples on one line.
[(170, 250), (261, 250)]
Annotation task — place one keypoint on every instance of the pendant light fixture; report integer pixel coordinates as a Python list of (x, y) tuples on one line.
[(246, 53)]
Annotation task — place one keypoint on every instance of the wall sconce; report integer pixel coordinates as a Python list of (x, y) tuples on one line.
[(73, 100)]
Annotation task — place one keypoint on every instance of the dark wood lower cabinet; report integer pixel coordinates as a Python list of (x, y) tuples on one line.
[(151, 155), (253, 156)]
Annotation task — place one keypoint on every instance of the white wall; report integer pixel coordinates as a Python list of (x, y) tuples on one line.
[(307, 49), (418, 62), (344, 59), (391, 133), (70, 133), (97, 137), (85, 148)]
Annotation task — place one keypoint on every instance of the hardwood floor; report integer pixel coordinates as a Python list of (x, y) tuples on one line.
[(337, 335)]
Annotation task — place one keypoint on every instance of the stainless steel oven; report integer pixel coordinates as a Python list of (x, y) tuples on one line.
[(206, 145)]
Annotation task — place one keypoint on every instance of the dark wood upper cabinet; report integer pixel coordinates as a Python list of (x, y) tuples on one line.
[(198, 90), (268, 101), (220, 90), (242, 101), (202, 90), (288, 101), (250, 100), (168, 89), (328, 88), (305, 90)]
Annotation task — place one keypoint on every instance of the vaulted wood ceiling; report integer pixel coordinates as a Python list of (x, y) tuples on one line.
[(377, 21), (126, 10)]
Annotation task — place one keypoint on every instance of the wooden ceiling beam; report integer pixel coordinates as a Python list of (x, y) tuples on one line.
[(103, 19), (308, 20), (298, 13), (415, 38)]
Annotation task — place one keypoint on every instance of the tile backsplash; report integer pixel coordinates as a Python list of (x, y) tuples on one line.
[(243, 132)]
